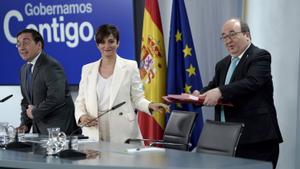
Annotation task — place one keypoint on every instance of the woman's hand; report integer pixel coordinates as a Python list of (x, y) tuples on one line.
[(88, 121), (22, 129), (160, 107)]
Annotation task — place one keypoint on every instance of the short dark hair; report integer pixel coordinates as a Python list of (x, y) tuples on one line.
[(104, 31), (244, 27), (37, 37)]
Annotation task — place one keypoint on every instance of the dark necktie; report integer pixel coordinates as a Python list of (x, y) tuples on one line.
[(234, 61), (29, 80)]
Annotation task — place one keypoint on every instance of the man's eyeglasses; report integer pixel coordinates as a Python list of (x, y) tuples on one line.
[(229, 35), (25, 42)]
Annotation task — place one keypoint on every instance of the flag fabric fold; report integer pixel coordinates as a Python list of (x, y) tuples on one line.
[(152, 70), (183, 71)]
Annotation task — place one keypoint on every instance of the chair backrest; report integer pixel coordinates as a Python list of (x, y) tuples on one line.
[(219, 137), (178, 129)]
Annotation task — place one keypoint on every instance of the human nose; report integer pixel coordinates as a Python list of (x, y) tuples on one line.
[(106, 45)]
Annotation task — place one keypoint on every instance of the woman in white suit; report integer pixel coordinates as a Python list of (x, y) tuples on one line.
[(105, 83)]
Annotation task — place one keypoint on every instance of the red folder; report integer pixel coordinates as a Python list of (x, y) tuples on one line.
[(188, 98)]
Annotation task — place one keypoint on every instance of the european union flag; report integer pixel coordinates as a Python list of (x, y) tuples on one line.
[(183, 71)]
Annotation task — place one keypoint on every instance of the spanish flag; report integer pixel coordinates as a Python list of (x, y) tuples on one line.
[(152, 70)]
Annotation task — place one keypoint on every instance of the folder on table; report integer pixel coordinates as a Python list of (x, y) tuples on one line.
[(188, 98)]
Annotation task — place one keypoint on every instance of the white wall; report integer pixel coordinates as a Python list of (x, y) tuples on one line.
[(298, 120), (10, 110), (275, 27)]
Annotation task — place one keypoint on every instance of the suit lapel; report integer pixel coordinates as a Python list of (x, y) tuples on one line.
[(241, 64), (36, 69), (24, 82), (118, 78), (91, 87)]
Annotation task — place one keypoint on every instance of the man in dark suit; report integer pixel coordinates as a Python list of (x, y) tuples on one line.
[(46, 99), (244, 79)]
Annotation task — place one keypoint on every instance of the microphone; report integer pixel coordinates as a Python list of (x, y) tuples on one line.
[(70, 153), (6, 98)]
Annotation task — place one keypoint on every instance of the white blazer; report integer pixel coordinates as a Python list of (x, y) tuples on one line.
[(126, 86)]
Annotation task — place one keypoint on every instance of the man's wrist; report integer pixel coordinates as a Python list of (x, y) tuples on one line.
[(220, 92)]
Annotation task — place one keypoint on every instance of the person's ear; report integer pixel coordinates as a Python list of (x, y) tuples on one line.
[(248, 35), (39, 43), (118, 44)]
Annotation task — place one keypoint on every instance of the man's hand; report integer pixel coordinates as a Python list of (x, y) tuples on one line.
[(29, 111), (22, 129), (160, 107), (198, 94), (88, 121), (211, 97)]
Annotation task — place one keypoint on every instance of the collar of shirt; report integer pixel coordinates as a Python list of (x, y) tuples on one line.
[(33, 62), (240, 56)]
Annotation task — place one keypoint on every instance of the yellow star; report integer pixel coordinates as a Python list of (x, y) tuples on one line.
[(178, 36), (187, 51), (191, 70), (187, 88)]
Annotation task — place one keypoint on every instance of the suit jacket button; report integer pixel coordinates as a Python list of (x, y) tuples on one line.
[(121, 113)]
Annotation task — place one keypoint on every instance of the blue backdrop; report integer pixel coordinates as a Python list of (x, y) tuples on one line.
[(68, 28)]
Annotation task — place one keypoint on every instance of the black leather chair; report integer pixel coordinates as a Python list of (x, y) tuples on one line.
[(219, 138), (177, 133)]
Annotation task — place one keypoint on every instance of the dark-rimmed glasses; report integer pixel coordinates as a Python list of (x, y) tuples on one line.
[(229, 35)]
